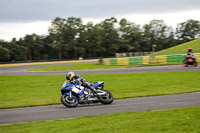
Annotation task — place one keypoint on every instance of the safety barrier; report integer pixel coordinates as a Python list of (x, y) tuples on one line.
[(127, 61), (198, 56), (122, 61), (135, 60), (176, 58), (106, 61), (113, 61), (162, 59), (167, 59), (146, 59)]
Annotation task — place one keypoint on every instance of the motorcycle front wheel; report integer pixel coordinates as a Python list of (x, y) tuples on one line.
[(69, 102), (107, 99), (195, 64)]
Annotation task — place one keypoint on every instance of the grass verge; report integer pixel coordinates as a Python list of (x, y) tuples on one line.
[(77, 67), (32, 90), (90, 66), (45, 63), (181, 120), (181, 49)]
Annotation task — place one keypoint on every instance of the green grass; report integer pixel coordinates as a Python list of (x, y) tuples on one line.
[(43, 63), (30, 65), (181, 49), (183, 120), (40, 64), (77, 67), (89, 66), (31, 90)]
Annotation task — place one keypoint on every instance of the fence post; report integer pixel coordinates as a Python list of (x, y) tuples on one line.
[(152, 59)]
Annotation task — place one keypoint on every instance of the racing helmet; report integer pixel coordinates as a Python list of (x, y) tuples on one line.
[(70, 75), (189, 51)]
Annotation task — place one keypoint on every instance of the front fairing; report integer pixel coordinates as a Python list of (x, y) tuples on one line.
[(67, 86)]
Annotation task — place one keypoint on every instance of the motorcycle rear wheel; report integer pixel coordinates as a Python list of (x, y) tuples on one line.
[(106, 100), (69, 102)]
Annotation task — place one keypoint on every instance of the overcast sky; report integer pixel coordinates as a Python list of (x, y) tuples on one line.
[(21, 17)]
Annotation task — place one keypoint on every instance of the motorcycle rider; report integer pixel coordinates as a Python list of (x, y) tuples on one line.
[(189, 53), (76, 78)]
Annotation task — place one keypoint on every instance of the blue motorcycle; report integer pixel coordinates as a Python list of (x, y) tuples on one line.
[(74, 94)]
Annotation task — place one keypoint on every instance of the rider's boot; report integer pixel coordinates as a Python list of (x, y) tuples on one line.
[(93, 89)]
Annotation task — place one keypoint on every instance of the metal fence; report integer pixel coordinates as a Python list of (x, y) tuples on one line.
[(132, 54), (150, 53)]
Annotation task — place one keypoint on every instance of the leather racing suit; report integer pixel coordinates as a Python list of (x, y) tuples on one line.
[(78, 79)]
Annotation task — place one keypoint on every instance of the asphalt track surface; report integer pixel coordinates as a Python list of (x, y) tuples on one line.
[(166, 68), (27, 114)]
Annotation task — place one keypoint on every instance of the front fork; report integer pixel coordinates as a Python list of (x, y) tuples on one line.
[(70, 95)]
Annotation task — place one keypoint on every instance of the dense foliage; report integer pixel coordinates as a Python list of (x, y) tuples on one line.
[(70, 38)]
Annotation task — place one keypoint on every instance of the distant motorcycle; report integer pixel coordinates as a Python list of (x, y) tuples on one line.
[(190, 60), (74, 94)]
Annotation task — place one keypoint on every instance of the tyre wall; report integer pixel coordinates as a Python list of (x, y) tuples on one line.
[(162, 59)]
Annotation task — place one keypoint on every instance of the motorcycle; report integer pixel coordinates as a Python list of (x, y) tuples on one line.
[(74, 94), (189, 61)]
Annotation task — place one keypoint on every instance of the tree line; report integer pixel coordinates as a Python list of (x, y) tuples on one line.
[(70, 38)]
